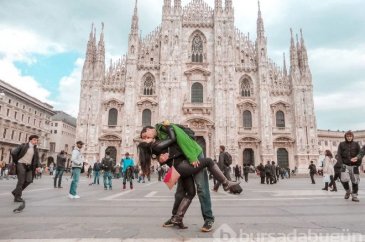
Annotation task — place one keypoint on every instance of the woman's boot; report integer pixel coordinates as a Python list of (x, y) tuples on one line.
[(178, 218), (218, 174), (325, 186)]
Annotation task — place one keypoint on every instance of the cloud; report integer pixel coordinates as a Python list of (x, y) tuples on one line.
[(69, 90), (18, 44), (10, 74)]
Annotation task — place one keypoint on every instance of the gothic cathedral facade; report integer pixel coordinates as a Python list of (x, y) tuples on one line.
[(199, 70)]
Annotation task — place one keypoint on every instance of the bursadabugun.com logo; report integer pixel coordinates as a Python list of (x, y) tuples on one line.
[(225, 233)]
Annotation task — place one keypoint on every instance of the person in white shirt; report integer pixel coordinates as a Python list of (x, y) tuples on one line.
[(77, 162)]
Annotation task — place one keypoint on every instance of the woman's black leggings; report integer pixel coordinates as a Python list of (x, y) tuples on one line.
[(186, 169), (188, 186)]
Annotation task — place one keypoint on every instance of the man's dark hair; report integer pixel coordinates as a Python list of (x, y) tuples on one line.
[(222, 147), (144, 130), (33, 136), (62, 152), (107, 152), (79, 142)]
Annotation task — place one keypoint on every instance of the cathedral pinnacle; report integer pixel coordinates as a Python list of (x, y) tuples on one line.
[(218, 4), (260, 24), (228, 5), (284, 65), (134, 27)]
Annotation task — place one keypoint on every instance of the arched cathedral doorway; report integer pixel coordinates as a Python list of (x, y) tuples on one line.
[(113, 152), (283, 158), (248, 157)]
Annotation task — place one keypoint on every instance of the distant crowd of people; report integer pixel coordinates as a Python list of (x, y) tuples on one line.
[(175, 148)]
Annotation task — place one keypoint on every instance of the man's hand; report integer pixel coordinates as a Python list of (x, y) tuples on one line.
[(195, 164), (163, 158), (354, 159)]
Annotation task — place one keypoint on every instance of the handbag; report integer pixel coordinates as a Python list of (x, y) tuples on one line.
[(171, 177), (82, 168)]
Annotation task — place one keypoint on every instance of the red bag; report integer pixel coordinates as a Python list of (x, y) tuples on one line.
[(171, 177)]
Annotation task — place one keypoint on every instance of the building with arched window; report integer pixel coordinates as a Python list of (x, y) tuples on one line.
[(198, 69)]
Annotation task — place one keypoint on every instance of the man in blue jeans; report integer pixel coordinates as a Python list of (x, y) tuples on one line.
[(96, 168), (77, 162), (107, 165), (202, 189)]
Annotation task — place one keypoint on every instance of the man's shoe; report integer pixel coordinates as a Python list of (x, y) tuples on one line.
[(18, 200), (131, 186), (354, 198), (208, 226), (168, 223), (347, 195), (60, 187), (76, 196), (124, 186), (71, 196)]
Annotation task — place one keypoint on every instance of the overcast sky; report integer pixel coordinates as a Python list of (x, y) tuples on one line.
[(43, 43)]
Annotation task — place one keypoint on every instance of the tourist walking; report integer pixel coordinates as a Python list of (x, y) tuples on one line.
[(77, 161), (107, 165), (26, 159), (312, 171), (60, 168), (349, 156), (328, 170)]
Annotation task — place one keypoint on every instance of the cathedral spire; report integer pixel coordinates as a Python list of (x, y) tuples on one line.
[(260, 24), (89, 49), (134, 27), (101, 46), (177, 3), (261, 43), (293, 53), (304, 51), (101, 40), (218, 5), (177, 6), (228, 5), (166, 9), (284, 65)]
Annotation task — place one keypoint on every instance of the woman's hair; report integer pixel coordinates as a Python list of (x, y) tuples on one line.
[(144, 130), (145, 156), (328, 153)]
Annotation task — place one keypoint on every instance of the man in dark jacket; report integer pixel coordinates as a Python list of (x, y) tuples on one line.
[(107, 165), (348, 152), (261, 170), (96, 169), (312, 171), (246, 170), (26, 158), (60, 168), (223, 163), (268, 173)]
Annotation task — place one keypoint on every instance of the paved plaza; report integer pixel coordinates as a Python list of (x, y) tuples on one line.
[(293, 207)]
